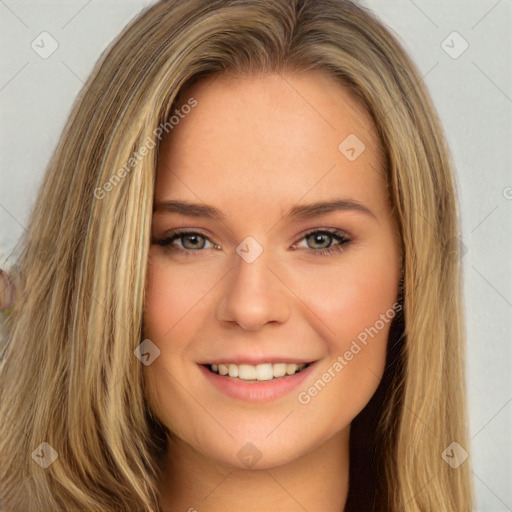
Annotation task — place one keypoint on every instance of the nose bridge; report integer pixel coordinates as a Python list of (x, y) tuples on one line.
[(254, 295)]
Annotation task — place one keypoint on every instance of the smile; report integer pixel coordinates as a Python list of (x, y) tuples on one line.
[(259, 372), (257, 383)]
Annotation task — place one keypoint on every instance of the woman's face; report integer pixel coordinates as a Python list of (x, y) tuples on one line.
[(267, 283)]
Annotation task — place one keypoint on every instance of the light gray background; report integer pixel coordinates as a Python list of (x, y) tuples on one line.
[(471, 92)]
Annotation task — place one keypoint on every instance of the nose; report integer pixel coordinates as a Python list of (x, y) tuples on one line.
[(254, 295)]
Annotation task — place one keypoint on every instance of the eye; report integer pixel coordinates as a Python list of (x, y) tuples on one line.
[(194, 242), (191, 241), (323, 238)]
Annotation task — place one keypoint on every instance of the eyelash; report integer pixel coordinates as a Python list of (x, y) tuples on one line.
[(340, 236)]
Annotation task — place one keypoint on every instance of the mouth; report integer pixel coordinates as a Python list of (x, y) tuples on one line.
[(257, 383), (257, 373)]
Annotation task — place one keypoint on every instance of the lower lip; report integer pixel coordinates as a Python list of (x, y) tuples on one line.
[(258, 392)]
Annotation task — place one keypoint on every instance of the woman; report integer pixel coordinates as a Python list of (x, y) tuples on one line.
[(179, 341)]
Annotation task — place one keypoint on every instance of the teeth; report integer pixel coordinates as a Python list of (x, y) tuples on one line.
[(265, 371), (291, 369), (279, 369), (247, 372)]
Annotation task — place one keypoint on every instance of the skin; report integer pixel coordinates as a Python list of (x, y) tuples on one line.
[(254, 147)]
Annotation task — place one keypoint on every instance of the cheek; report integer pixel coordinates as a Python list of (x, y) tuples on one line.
[(350, 296), (356, 305), (173, 301), (349, 375), (174, 294)]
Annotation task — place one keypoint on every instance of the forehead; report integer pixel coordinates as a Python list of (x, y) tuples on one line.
[(270, 137)]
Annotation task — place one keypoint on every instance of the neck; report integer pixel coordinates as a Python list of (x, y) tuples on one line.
[(317, 480)]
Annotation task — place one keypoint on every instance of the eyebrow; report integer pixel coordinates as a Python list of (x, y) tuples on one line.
[(300, 212)]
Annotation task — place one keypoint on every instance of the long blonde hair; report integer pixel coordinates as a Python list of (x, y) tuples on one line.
[(68, 374)]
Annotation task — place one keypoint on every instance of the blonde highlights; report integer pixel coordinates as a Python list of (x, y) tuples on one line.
[(68, 374)]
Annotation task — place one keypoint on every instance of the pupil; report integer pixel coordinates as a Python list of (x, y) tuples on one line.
[(194, 239), (318, 238)]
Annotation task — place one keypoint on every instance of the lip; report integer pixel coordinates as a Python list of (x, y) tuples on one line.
[(256, 361), (257, 392)]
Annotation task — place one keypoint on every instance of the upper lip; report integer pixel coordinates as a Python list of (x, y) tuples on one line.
[(256, 360)]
